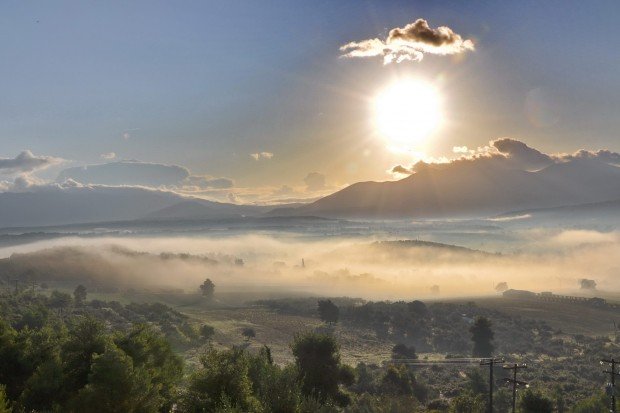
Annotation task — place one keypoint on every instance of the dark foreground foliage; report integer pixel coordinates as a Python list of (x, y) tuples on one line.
[(62, 353)]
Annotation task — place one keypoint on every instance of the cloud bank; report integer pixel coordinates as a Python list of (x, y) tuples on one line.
[(512, 154), (132, 172), (27, 162), (410, 43)]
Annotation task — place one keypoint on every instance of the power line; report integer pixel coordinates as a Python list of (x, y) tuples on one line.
[(418, 362)]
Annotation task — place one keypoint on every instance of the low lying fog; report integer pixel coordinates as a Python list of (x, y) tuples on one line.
[(539, 260)]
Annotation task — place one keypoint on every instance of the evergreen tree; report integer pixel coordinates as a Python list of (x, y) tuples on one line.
[(535, 402), (86, 340), (116, 386), (317, 357), (482, 336), (150, 351), (208, 289), (328, 311), (5, 406), (79, 294), (222, 382)]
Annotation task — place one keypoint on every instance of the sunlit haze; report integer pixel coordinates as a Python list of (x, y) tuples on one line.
[(309, 206)]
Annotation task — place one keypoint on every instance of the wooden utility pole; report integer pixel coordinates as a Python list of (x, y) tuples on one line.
[(491, 362), (612, 385), (514, 367)]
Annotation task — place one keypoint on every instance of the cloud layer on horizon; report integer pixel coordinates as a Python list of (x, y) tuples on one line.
[(410, 43), (509, 153), (139, 173), (175, 180)]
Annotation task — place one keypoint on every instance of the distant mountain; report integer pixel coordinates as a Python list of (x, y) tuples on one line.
[(59, 206), (471, 189), (608, 211), (406, 244), (201, 209)]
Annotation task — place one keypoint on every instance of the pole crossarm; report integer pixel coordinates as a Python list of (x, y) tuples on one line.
[(517, 382), (489, 361)]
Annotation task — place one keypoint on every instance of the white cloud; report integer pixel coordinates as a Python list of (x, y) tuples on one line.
[(108, 155), (128, 132), (261, 155), (26, 162), (206, 181), (508, 153), (410, 43), (460, 149), (315, 181)]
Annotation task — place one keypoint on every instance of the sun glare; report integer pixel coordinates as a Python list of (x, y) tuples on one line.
[(407, 113)]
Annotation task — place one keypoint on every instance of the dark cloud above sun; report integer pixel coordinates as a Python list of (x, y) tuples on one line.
[(410, 43)]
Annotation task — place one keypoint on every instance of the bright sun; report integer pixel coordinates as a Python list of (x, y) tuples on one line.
[(407, 112)]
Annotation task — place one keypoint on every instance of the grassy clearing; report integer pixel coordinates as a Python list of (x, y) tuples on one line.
[(278, 330)]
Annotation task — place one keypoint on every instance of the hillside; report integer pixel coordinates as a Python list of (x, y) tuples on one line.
[(469, 189), (607, 211), (61, 206)]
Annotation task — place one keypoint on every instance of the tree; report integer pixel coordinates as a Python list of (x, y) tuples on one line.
[(276, 388), (501, 287), (86, 339), (317, 357), (502, 400), (558, 399), (482, 336), (116, 386), (207, 288), (586, 284), (328, 311), (248, 333), (79, 294), (476, 382), (468, 403), (59, 300), (222, 383), (150, 351), (207, 332), (595, 404), (400, 381), (43, 388), (402, 351), (5, 406), (535, 402)]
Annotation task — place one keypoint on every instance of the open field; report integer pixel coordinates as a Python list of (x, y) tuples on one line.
[(278, 330), (569, 317)]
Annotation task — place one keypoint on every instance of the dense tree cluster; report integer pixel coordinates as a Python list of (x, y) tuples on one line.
[(79, 367), (62, 353)]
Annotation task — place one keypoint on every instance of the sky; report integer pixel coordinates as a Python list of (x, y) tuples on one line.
[(259, 94)]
